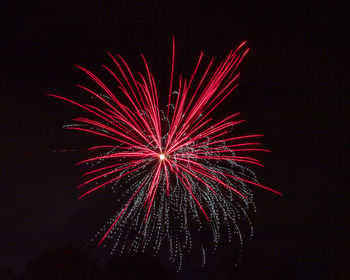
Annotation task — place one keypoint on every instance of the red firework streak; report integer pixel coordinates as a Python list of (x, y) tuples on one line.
[(177, 144)]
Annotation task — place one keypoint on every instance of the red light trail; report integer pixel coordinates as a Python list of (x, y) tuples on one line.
[(173, 166)]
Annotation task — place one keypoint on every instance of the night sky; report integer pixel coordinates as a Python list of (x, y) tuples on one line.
[(291, 89)]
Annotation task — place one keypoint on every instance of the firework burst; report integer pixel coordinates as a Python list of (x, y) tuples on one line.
[(176, 170)]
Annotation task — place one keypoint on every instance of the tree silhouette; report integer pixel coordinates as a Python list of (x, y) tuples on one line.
[(66, 263), (137, 267), (6, 273)]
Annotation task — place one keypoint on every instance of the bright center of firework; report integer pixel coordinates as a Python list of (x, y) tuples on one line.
[(161, 156)]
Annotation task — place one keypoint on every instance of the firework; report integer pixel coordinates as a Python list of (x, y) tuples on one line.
[(175, 170)]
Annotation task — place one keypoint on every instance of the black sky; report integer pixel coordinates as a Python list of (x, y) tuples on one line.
[(292, 89)]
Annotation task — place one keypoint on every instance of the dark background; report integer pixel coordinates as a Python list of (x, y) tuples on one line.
[(292, 89)]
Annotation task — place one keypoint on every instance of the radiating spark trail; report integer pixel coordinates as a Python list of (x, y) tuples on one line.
[(171, 168)]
